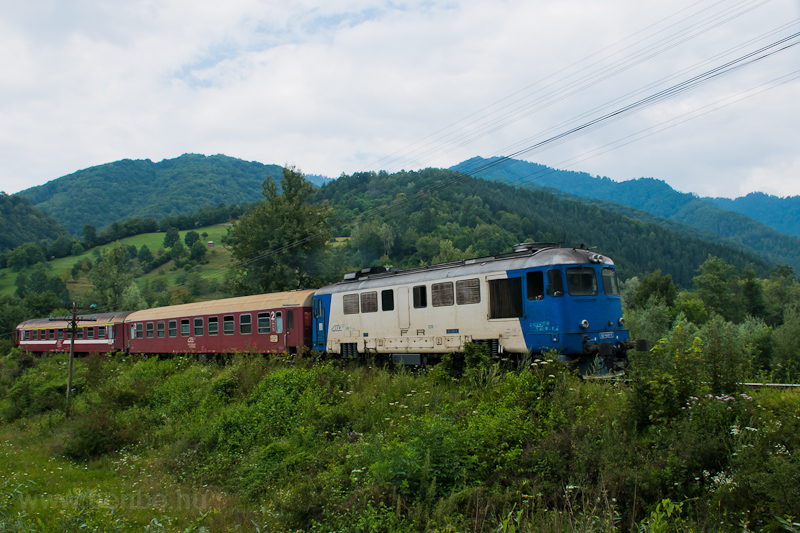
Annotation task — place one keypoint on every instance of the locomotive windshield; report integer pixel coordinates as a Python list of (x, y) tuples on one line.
[(581, 281)]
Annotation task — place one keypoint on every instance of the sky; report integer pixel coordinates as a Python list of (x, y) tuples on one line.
[(342, 86)]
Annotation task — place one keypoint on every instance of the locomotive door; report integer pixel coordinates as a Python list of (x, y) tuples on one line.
[(403, 319)]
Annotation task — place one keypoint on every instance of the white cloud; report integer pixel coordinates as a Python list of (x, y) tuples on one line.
[(335, 86)]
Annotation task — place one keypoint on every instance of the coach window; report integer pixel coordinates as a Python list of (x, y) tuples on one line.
[(185, 331), (89, 333), (139, 330), (60, 333), (420, 296), (387, 300), (290, 320), (198, 327), (148, 330), (279, 321), (213, 325), (581, 281), (245, 324), (263, 323), (228, 326), (160, 330), (555, 284), (172, 325), (442, 294), (369, 302), (350, 304), (535, 285), (610, 282), (101, 332), (26, 335), (69, 334), (42, 334), (468, 291), (80, 334), (505, 298)]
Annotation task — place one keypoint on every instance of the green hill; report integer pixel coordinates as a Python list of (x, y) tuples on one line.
[(647, 196), (129, 188), (20, 222)]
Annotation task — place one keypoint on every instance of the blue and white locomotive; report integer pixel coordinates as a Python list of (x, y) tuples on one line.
[(541, 297)]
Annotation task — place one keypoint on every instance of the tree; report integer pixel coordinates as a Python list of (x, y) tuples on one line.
[(657, 286), (110, 279), (145, 256), (171, 237), (90, 235), (281, 244), (190, 238), (197, 251), (25, 255), (717, 284)]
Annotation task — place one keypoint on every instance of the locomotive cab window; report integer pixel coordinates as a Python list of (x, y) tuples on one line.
[(213, 325), (245, 324), (198, 327), (387, 300), (555, 284), (610, 282), (581, 281), (279, 321), (420, 296), (263, 323), (228, 327), (173, 328), (505, 298), (535, 285)]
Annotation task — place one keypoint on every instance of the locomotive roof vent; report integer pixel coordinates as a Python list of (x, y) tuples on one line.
[(534, 246)]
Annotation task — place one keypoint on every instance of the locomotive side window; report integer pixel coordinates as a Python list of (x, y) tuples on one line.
[(263, 323), (369, 302), (535, 285), (279, 320), (581, 281), (320, 309), (555, 285), (610, 282), (173, 328), (228, 327), (149, 330), (160, 330), (387, 300), (350, 304), (505, 298), (420, 296), (245, 324), (198, 327), (185, 332), (442, 294), (213, 325), (468, 292)]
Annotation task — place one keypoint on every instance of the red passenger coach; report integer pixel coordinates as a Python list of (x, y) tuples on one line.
[(103, 332), (276, 322)]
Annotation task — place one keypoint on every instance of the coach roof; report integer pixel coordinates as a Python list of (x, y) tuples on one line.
[(241, 304)]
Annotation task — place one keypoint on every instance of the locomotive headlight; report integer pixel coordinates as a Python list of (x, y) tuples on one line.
[(584, 324), (621, 321)]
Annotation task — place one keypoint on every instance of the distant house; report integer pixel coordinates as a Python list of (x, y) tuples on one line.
[(210, 244)]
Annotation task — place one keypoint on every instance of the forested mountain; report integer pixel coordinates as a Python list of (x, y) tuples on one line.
[(782, 214), (20, 222), (129, 188), (648, 195), (412, 218)]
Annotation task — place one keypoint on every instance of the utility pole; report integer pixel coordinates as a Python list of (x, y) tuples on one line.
[(73, 329)]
